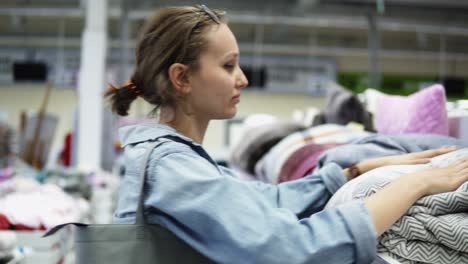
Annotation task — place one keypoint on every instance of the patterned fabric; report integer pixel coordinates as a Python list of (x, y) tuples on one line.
[(435, 228)]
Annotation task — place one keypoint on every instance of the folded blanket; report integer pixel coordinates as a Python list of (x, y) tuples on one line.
[(433, 230)]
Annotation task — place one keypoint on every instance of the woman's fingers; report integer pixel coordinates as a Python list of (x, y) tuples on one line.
[(457, 172), (462, 177), (461, 164), (463, 172), (435, 152), (420, 161)]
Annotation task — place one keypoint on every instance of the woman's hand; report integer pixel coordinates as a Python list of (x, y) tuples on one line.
[(443, 179), (421, 157)]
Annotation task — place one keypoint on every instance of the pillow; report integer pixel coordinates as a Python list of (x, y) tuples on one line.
[(421, 112), (371, 99), (258, 140), (343, 106)]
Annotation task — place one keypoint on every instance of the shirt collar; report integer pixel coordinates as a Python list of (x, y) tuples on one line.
[(149, 131)]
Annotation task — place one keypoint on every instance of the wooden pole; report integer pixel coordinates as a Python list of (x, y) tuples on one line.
[(31, 155)]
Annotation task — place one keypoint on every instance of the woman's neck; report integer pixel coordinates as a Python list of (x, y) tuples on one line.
[(188, 126)]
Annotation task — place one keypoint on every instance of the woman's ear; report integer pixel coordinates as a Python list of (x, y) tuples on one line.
[(179, 79)]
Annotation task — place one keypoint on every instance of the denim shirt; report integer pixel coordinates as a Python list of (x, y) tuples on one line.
[(230, 220)]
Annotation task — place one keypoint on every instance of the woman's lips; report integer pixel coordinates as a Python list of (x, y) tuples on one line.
[(236, 98)]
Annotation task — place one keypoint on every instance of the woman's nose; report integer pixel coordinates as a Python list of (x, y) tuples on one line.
[(242, 80)]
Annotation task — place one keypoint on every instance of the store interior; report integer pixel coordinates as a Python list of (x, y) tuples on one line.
[(60, 152)]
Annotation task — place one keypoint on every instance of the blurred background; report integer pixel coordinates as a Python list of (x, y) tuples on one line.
[(58, 56)]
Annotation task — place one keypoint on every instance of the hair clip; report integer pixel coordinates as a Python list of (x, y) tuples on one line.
[(210, 13)]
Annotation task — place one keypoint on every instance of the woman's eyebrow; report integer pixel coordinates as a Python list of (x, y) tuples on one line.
[(231, 54)]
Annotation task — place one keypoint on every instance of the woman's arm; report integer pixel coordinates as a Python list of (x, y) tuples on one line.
[(231, 221), (389, 204), (421, 157), (304, 196), (310, 194)]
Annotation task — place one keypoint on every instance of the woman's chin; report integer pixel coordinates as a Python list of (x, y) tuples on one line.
[(232, 113), (227, 115)]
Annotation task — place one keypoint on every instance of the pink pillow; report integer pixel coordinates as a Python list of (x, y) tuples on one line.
[(421, 112)]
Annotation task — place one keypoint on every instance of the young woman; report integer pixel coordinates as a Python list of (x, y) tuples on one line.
[(187, 66)]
